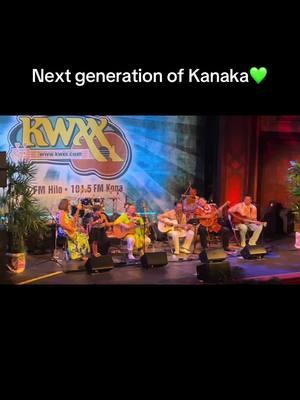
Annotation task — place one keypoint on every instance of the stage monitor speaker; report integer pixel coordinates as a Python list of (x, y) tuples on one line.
[(253, 252), (73, 266), (214, 272), (212, 255), (99, 264), (157, 259)]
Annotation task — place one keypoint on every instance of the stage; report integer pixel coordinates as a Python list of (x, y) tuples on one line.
[(281, 264)]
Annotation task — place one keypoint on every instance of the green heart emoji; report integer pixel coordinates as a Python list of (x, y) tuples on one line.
[(258, 74)]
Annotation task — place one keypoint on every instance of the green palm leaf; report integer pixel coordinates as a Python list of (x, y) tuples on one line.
[(18, 206)]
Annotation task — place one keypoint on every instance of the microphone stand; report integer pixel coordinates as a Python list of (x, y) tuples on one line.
[(53, 258), (145, 222), (262, 238), (144, 244), (128, 198), (114, 208)]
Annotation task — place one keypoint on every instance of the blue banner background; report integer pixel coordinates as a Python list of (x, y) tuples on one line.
[(165, 158)]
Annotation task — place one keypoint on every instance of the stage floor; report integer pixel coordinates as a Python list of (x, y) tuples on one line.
[(282, 262)]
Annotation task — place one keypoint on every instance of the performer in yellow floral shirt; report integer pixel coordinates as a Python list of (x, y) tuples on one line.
[(78, 241), (134, 240)]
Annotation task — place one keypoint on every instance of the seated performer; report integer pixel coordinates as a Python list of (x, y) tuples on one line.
[(134, 240), (98, 237), (184, 231), (244, 216), (78, 242), (190, 202), (208, 216)]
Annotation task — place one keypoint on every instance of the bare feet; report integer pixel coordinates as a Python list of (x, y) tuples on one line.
[(85, 258)]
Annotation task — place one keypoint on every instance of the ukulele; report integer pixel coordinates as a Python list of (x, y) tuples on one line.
[(211, 219)]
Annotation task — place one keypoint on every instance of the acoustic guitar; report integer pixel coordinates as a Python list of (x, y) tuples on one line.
[(169, 225), (120, 231), (238, 218)]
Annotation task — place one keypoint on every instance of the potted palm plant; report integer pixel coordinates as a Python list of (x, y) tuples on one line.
[(21, 211), (294, 189)]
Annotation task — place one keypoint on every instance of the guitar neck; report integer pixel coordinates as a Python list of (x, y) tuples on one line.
[(180, 226), (223, 206), (242, 219)]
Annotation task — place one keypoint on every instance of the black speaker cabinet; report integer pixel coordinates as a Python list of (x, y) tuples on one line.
[(99, 264), (74, 266), (3, 178), (212, 255), (253, 252), (3, 240), (214, 272), (3, 169), (3, 163), (157, 259)]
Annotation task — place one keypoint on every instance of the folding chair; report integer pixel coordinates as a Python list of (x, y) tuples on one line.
[(236, 232)]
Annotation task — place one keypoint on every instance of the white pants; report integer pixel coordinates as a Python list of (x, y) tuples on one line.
[(256, 229), (175, 235), (130, 243)]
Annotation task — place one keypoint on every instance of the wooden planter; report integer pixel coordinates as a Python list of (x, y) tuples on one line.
[(16, 262)]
